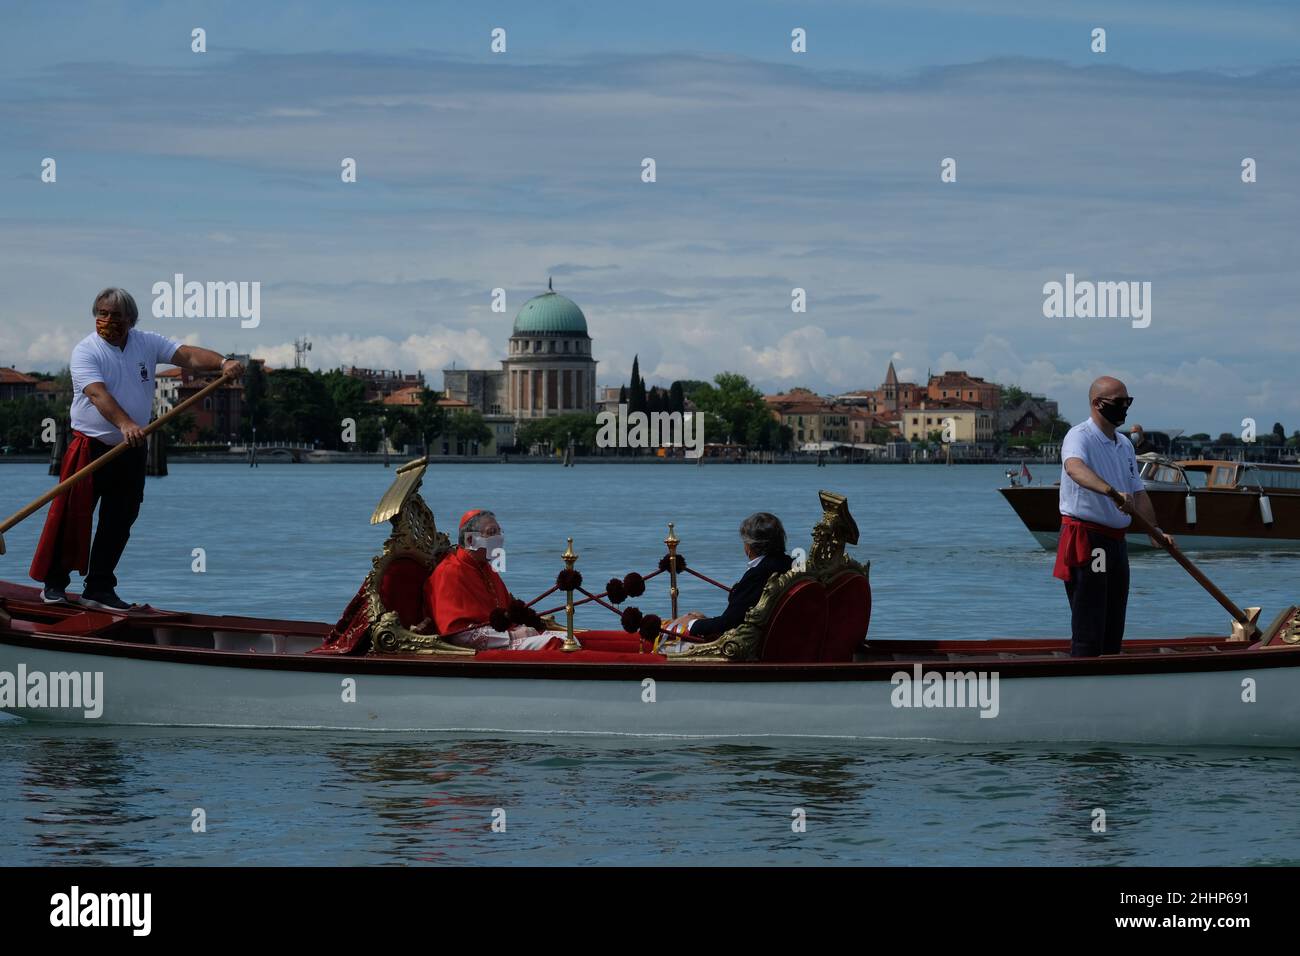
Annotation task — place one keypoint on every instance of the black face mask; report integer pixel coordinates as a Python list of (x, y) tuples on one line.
[(1113, 412)]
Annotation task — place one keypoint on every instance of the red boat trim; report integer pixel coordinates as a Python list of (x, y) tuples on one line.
[(1132, 664)]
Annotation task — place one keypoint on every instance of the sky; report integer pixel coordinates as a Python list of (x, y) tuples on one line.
[(775, 170)]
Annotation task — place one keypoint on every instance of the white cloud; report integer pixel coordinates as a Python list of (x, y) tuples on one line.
[(808, 354), (770, 177), (430, 352)]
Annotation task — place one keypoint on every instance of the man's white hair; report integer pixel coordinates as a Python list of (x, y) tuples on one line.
[(120, 300)]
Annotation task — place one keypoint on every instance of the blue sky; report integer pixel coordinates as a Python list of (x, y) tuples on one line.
[(775, 170)]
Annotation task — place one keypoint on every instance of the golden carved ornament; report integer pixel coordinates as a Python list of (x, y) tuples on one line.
[(415, 536), (1291, 633)]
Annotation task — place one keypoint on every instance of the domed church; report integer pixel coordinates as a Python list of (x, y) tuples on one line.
[(548, 370)]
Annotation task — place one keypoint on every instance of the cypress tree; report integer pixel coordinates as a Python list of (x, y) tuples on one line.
[(636, 400)]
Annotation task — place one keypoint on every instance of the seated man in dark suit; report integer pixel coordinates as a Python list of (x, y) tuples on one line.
[(764, 540)]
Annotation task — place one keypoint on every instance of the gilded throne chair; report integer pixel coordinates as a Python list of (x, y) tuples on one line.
[(393, 598)]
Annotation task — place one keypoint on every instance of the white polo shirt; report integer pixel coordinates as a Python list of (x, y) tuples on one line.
[(127, 373), (1116, 463)]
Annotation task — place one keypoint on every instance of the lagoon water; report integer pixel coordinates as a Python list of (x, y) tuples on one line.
[(949, 559)]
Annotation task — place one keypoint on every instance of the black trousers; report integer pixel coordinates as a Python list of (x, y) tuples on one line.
[(119, 490), (1099, 599)]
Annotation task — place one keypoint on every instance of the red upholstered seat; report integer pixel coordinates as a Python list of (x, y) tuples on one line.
[(402, 590), (618, 642), (849, 605), (797, 628)]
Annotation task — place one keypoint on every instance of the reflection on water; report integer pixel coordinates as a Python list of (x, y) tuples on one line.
[(126, 796), (75, 792)]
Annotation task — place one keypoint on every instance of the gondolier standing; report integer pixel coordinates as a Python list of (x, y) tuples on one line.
[(1100, 488), (113, 389)]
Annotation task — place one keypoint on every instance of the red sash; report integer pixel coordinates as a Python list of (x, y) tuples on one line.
[(70, 516), (1072, 550)]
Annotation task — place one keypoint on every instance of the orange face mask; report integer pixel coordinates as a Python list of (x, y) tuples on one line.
[(110, 329)]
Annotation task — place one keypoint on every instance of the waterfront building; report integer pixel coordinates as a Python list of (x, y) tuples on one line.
[(608, 398), (166, 389), (54, 391), (962, 387), (1027, 417), (887, 400), (814, 421), (15, 385), (221, 413), (863, 422), (970, 424), (380, 383), (408, 397), (548, 369)]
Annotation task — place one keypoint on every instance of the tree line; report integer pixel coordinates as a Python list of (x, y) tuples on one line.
[(733, 412)]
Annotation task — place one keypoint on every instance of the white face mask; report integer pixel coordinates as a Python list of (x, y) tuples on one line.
[(492, 543)]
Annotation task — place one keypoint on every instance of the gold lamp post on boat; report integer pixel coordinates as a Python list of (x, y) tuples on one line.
[(570, 642), (672, 541)]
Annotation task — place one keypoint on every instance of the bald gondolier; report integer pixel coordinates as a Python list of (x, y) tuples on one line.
[(113, 389), (1100, 490)]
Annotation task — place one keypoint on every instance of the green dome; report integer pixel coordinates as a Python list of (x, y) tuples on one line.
[(550, 312)]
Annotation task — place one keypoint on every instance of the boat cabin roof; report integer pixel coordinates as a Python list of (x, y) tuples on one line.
[(1220, 473)]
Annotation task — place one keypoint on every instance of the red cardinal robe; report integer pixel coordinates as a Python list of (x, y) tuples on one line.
[(463, 592)]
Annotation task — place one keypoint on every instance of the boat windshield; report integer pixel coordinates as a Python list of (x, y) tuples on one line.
[(1162, 473), (1197, 478), (1276, 477)]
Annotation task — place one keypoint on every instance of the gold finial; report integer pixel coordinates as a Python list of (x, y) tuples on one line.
[(672, 541), (570, 642)]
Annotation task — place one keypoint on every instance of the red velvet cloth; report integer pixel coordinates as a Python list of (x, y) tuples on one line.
[(616, 641), (797, 629), (345, 637), (402, 590), (70, 517), (463, 592), (1072, 549), (848, 617)]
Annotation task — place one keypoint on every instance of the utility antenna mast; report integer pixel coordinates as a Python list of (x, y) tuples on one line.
[(300, 349)]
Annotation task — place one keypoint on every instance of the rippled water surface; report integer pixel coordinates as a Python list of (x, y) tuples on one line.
[(949, 559)]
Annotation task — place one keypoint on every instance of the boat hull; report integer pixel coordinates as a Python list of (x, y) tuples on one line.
[(1226, 520), (1179, 706), (1186, 542)]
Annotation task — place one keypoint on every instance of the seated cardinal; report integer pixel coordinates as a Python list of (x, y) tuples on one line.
[(471, 605)]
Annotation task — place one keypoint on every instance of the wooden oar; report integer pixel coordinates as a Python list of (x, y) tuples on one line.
[(1244, 627), (103, 460)]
